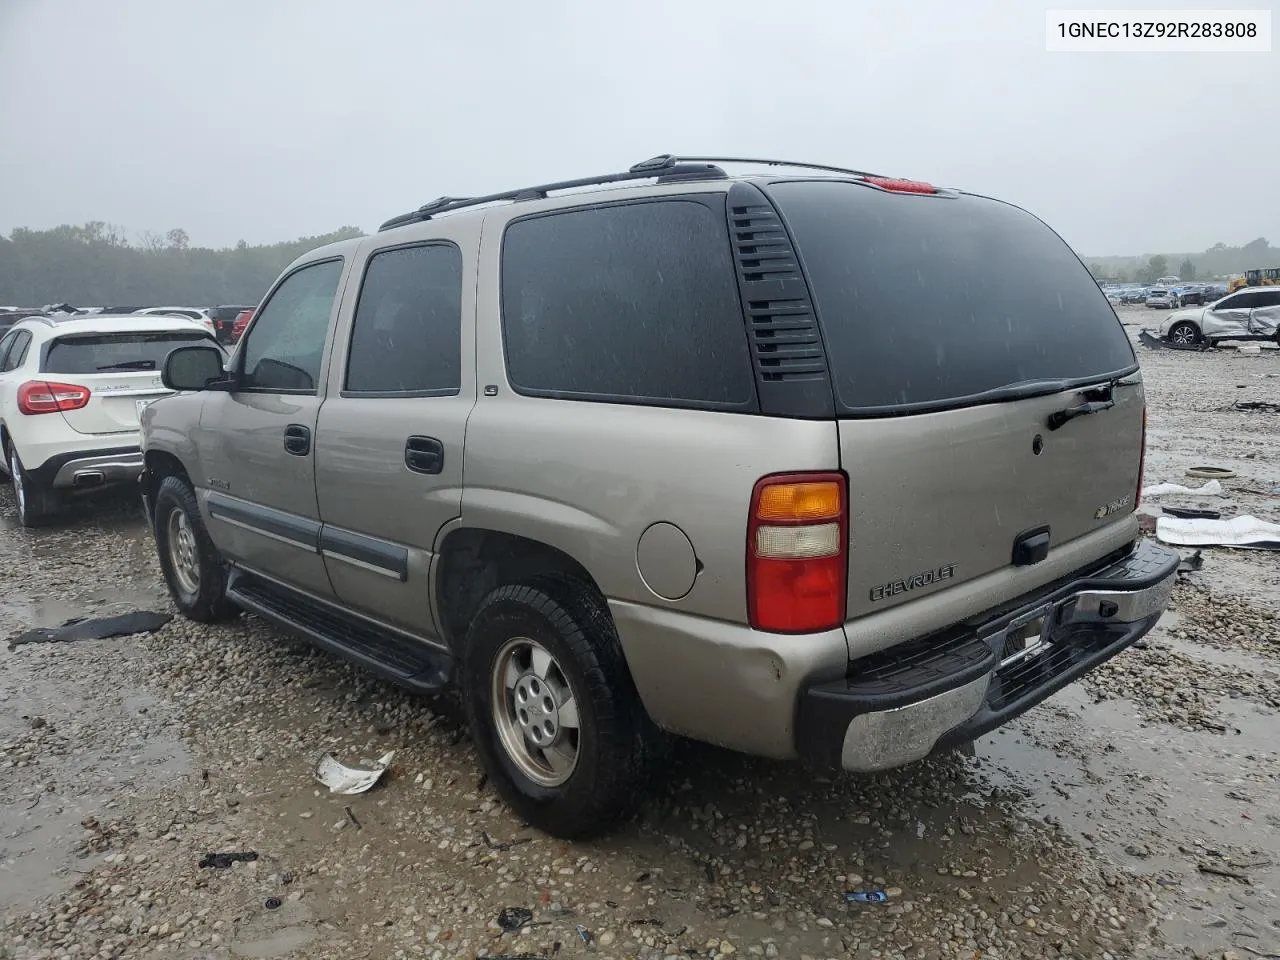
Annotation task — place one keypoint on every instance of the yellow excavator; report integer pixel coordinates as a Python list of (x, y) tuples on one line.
[(1269, 277)]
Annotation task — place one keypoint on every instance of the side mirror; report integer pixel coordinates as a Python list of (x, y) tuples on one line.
[(193, 368)]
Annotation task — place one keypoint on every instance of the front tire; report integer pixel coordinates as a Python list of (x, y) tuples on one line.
[(193, 569), (37, 504), (553, 710), (1185, 334)]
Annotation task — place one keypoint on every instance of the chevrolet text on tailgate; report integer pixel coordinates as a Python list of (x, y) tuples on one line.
[(801, 461)]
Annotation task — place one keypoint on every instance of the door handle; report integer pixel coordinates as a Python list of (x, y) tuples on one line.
[(424, 454), (297, 439)]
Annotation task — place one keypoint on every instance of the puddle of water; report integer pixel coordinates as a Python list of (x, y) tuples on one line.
[(1233, 659), (1142, 795)]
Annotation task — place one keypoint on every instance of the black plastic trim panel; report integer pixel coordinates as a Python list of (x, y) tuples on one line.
[(787, 351), (369, 551), (43, 475), (302, 531)]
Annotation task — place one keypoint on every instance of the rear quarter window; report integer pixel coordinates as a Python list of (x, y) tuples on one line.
[(632, 302), (932, 301)]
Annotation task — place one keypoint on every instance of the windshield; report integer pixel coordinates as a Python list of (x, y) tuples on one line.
[(934, 301)]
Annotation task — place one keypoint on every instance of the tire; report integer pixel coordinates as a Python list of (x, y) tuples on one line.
[(1184, 332), (37, 504), (614, 745), (193, 569)]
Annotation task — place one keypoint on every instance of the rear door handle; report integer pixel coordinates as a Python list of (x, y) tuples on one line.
[(424, 455), (297, 439)]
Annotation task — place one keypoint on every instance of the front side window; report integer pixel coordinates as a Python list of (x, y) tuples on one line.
[(1242, 301), (284, 345), (627, 302), (406, 337)]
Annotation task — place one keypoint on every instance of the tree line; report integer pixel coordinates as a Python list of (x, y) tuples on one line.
[(97, 265), (1218, 261)]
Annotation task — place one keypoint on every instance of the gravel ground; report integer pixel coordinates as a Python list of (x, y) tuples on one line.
[(1133, 815)]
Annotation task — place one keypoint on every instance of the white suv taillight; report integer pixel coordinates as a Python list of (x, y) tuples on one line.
[(797, 552), (44, 396)]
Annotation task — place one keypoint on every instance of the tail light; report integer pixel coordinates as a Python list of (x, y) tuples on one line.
[(42, 396), (1142, 460), (797, 552)]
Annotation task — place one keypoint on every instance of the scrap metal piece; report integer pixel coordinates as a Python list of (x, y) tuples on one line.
[(97, 628), (345, 780)]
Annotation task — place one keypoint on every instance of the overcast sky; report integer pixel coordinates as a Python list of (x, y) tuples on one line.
[(271, 119)]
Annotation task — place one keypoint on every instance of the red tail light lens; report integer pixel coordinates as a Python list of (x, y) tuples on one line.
[(1142, 460), (41, 396), (797, 552), (901, 186)]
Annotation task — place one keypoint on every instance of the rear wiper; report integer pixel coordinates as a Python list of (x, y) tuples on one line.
[(130, 365), (1096, 400)]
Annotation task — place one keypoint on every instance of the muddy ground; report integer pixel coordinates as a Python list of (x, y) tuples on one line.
[(1134, 814)]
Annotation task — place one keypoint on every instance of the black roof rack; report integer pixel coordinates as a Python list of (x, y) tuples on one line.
[(780, 163), (665, 168)]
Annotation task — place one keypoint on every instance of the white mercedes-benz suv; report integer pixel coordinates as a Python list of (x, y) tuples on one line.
[(71, 390)]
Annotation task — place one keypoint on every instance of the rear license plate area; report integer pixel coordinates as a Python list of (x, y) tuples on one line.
[(1028, 636)]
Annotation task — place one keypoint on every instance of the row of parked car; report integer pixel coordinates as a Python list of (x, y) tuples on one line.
[(1167, 295), (226, 322)]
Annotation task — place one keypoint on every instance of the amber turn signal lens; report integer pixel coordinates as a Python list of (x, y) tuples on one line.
[(799, 501)]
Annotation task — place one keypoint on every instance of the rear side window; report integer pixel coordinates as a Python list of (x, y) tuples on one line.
[(1254, 300), (115, 352), (17, 355), (929, 302), (407, 333), (632, 302)]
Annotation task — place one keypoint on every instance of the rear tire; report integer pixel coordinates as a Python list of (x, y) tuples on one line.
[(553, 710), (1185, 333), (193, 569), (37, 504)]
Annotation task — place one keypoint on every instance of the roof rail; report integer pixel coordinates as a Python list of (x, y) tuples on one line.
[(778, 163), (665, 168)]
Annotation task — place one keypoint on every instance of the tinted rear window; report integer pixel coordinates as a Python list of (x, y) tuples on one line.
[(927, 300), (114, 352)]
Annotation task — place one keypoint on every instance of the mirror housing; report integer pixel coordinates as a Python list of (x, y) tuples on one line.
[(198, 367)]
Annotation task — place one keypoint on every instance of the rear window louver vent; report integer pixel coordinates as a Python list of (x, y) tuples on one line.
[(781, 326)]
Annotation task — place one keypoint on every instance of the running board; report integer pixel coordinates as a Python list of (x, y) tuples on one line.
[(409, 662)]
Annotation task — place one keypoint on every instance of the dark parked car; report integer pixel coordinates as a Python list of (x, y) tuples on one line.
[(223, 318), (1191, 294)]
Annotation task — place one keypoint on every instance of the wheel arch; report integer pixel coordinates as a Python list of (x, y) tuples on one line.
[(471, 562), (161, 464)]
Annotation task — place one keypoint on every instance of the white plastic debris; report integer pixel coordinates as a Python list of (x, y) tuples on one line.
[(1248, 533), (1211, 489), (340, 778)]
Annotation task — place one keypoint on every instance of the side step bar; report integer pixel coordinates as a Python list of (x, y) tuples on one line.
[(409, 662)]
